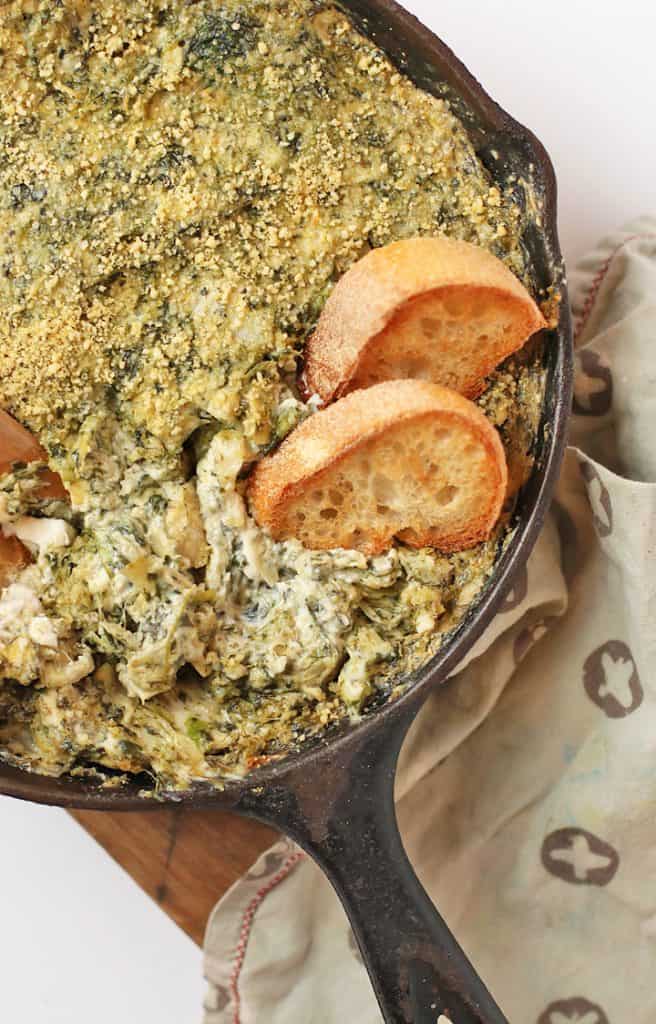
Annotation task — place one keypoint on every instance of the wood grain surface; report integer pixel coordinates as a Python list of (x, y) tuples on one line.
[(184, 859)]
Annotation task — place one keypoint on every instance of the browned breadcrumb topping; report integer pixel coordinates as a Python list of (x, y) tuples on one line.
[(181, 185)]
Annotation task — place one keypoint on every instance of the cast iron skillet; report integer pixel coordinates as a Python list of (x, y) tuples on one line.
[(336, 797)]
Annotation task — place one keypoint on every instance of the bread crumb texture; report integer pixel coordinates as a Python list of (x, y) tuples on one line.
[(405, 458), (181, 186), (436, 308)]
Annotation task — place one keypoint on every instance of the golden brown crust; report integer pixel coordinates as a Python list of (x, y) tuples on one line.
[(13, 556), (385, 287), (326, 454), (19, 445)]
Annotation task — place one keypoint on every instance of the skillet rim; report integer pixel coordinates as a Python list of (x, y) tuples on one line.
[(395, 23)]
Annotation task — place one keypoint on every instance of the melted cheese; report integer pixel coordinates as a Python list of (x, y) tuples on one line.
[(179, 190)]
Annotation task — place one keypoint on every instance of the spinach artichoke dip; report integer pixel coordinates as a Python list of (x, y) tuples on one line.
[(181, 185)]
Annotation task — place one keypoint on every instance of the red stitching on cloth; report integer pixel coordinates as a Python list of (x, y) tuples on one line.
[(291, 862), (247, 924), (598, 280)]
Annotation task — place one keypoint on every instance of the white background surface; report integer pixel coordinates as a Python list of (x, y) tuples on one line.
[(79, 941)]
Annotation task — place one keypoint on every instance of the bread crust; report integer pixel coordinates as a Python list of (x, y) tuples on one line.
[(17, 444), (383, 285), (13, 556), (312, 454)]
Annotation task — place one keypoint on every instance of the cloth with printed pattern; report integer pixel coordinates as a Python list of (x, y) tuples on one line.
[(527, 786)]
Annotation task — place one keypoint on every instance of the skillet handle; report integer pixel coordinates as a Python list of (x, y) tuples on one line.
[(340, 809)]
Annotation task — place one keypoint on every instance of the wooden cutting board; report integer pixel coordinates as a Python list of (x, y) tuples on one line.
[(183, 859)]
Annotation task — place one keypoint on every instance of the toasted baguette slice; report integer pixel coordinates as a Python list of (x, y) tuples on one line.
[(19, 445), (431, 308), (13, 556), (406, 458)]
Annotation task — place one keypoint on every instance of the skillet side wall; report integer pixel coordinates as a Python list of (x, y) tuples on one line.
[(508, 151)]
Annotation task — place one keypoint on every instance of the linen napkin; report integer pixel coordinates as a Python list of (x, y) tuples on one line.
[(527, 786)]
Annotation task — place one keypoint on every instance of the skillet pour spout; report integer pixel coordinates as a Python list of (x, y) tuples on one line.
[(336, 798)]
